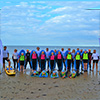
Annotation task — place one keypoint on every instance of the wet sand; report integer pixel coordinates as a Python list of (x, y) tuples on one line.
[(24, 87)]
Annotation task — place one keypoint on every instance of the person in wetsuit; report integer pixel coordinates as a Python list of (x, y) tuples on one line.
[(90, 58), (28, 59)]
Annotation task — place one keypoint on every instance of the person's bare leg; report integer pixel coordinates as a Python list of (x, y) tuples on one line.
[(96, 67), (9, 65), (20, 68), (4, 66), (93, 67), (23, 68), (86, 66)]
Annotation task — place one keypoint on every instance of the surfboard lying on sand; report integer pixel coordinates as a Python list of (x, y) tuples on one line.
[(11, 72)]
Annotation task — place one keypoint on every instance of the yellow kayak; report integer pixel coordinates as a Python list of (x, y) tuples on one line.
[(11, 72)]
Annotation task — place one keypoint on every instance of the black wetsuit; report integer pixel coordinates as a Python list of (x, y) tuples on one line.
[(27, 59), (34, 62), (90, 57), (59, 62), (52, 64)]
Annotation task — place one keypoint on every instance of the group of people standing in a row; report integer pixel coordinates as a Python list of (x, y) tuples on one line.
[(53, 58)]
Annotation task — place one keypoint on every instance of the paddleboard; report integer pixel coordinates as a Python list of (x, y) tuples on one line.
[(11, 72)]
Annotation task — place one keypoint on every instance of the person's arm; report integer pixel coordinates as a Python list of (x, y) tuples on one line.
[(92, 57), (98, 57), (13, 57)]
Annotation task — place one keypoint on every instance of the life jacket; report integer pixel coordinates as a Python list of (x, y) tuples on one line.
[(22, 58), (85, 56), (42, 56), (52, 57), (77, 57), (34, 56), (59, 56), (69, 56)]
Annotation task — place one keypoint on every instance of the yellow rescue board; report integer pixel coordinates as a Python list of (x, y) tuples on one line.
[(10, 72)]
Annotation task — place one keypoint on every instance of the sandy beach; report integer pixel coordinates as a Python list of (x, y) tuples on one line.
[(24, 87)]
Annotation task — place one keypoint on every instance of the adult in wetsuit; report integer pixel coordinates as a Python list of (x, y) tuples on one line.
[(28, 59), (90, 58), (34, 58), (47, 56), (59, 58)]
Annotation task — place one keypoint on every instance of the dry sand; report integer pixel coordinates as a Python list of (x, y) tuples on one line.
[(24, 87)]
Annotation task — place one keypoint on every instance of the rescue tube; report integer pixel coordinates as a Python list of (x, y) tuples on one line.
[(22, 51), (36, 59), (11, 72)]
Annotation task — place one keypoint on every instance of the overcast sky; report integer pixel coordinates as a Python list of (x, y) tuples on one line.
[(52, 22)]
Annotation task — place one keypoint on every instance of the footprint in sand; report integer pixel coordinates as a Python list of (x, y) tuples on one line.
[(23, 89), (24, 83), (39, 89), (49, 87), (32, 92), (56, 86), (20, 89), (37, 96), (18, 81), (1, 96), (44, 94), (27, 98), (54, 82), (44, 83)]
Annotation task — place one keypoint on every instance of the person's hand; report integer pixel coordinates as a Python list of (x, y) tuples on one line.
[(7, 58)]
